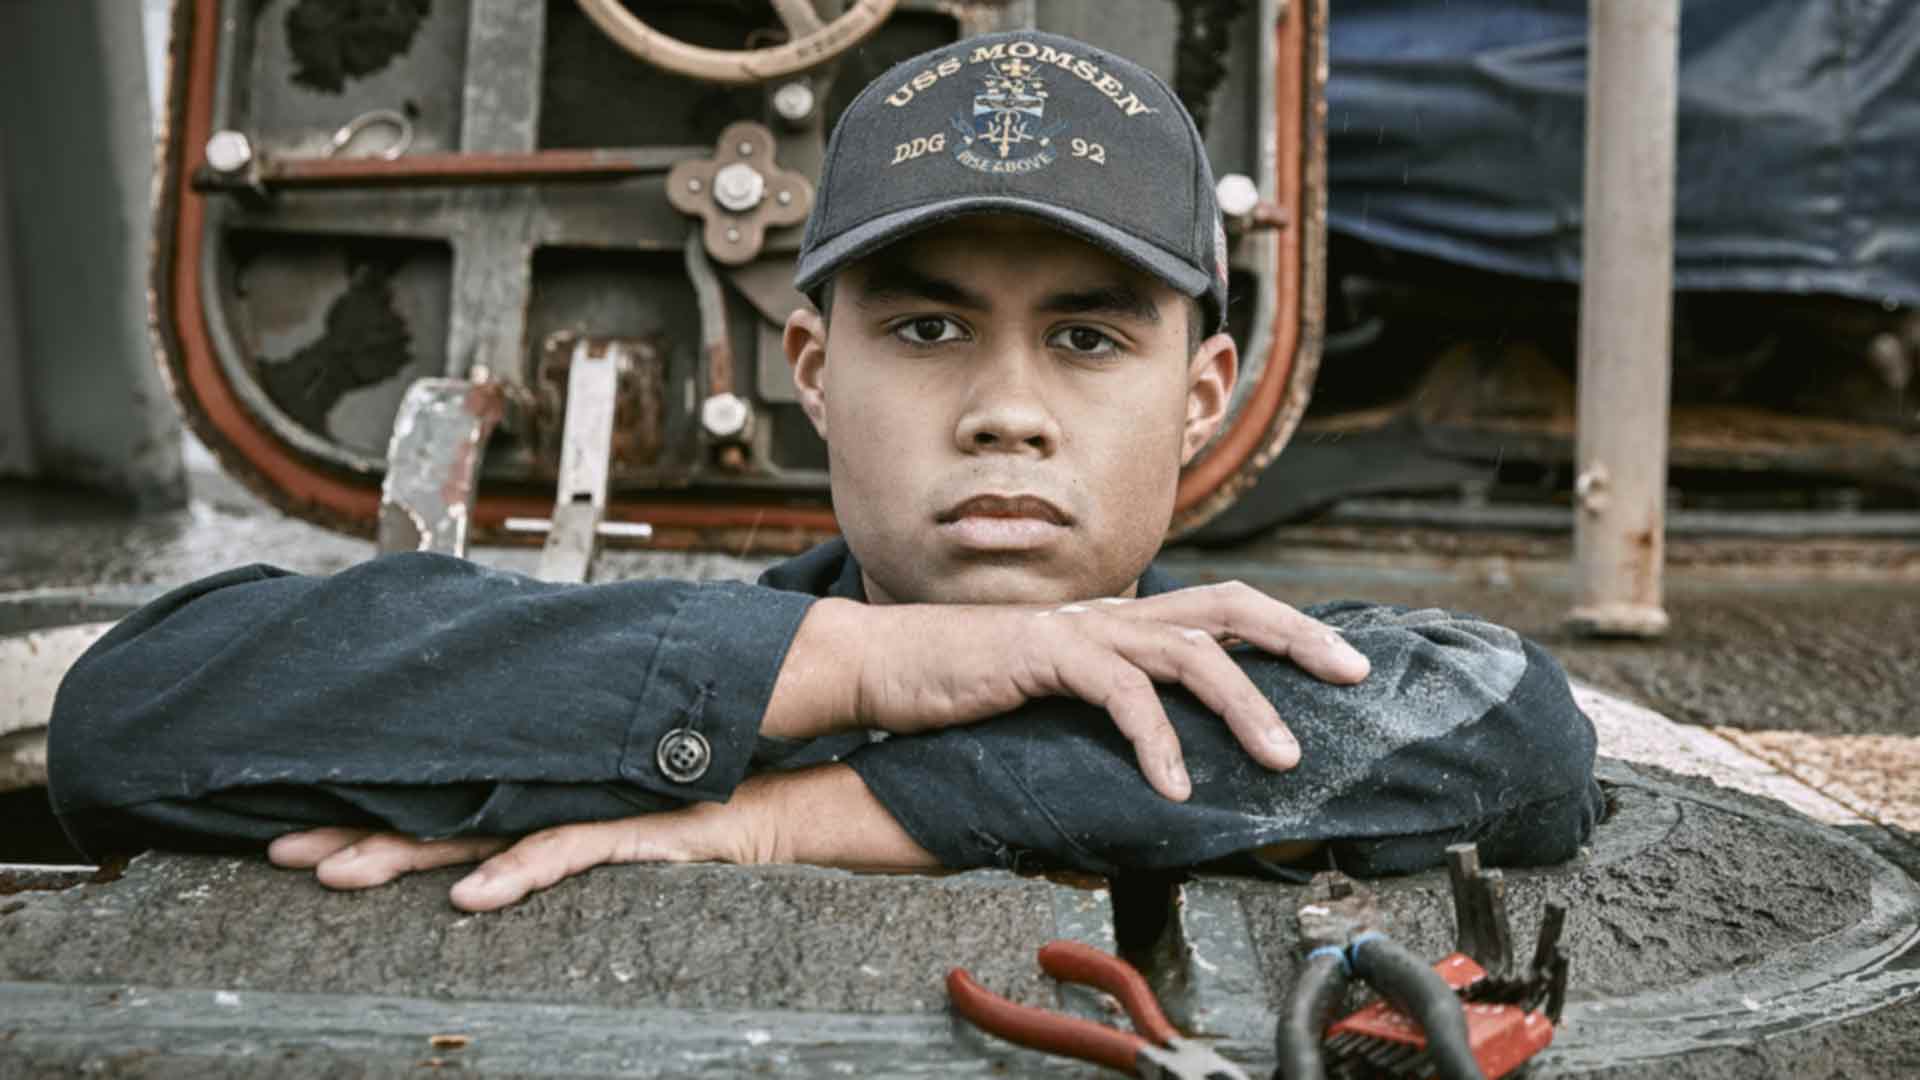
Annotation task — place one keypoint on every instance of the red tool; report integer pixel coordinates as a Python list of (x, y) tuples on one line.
[(1382, 1040), (1471, 1016), (1158, 1051)]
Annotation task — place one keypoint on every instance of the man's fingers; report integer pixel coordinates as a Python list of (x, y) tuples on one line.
[(537, 862), (381, 857), (1100, 675), (1323, 653), (1192, 658), (306, 849), (1235, 610)]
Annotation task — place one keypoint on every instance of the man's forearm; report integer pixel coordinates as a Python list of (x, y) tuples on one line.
[(413, 674), (825, 816), (816, 692)]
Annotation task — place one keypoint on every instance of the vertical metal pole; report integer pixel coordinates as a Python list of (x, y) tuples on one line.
[(16, 437), (1626, 308)]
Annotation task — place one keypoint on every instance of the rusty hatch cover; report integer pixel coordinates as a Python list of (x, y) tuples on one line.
[(353, 198)]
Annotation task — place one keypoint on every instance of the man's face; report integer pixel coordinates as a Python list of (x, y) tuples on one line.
[(1006, 410)]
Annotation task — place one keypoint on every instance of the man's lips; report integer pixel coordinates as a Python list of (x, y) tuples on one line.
[(1004, 525), (1005, 506)]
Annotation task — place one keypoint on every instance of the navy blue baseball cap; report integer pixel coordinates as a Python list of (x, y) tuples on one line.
[(1027, 123)]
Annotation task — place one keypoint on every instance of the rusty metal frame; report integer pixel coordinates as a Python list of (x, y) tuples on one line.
[(1293, 167), (448, 168), (1294, 161)]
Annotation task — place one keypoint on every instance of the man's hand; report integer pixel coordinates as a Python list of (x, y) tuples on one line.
[(824, 816), (911, 668)]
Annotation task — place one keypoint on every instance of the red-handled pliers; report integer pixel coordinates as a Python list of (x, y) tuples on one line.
[(1158, 1051)]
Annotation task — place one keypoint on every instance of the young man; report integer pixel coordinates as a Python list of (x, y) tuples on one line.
[(1017, 347)]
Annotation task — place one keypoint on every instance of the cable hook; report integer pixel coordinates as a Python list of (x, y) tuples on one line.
[(394, 119)]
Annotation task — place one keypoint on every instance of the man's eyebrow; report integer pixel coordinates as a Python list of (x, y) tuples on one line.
[(886, 282), (1105, 300)]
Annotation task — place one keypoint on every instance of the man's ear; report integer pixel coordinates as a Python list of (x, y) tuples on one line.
[(1210, 376), (805, 340)]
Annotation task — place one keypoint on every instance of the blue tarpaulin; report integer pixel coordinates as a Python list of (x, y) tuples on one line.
[(1457, 130)]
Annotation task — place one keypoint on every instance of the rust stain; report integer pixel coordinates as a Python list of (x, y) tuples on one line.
[(441, 168), (639, 410), (486, 403), (719, 368)]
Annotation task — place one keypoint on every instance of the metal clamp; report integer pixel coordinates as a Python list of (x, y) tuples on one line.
[(586, 450), (739, 193)]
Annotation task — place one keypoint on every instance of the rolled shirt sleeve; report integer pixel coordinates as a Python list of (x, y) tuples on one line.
[(1463, 730), (493, 701)]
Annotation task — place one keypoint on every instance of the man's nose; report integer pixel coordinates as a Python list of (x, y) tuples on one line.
[(1007, 412)]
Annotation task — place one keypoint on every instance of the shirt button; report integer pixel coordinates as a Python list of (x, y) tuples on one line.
[(683, 755)]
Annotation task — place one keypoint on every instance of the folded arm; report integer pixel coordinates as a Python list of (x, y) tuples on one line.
[(1464, 732), (437, 698), (422, 692)]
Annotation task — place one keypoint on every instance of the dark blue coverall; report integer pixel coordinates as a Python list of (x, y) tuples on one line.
[(436, 697)]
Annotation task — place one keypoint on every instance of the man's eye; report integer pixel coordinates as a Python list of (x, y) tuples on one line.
[(1084, 340), (928, 330)]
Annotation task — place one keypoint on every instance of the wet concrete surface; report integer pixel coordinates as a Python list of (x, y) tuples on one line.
[(243, 969), (796, 939)]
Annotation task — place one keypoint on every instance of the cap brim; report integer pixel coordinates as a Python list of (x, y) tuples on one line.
[(862, 240)]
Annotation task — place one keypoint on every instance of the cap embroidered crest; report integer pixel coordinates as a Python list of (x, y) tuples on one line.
[(1031, 124), (1007, 122)]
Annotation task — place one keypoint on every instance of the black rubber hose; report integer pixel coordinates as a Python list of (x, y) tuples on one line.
[(1418, 991), (1304, 1017)]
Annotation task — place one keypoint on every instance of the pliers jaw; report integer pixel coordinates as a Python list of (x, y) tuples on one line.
[(1184, 1059)]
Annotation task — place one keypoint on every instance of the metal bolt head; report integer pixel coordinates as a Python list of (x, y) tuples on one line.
[(724, 415), (733, 236), (784, 197), (745, 148), (229, 151), (739, 187), (1889, 359), (1237, 194), (794, 101)]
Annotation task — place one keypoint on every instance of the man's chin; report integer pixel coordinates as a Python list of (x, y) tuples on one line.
[(996, 582)]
